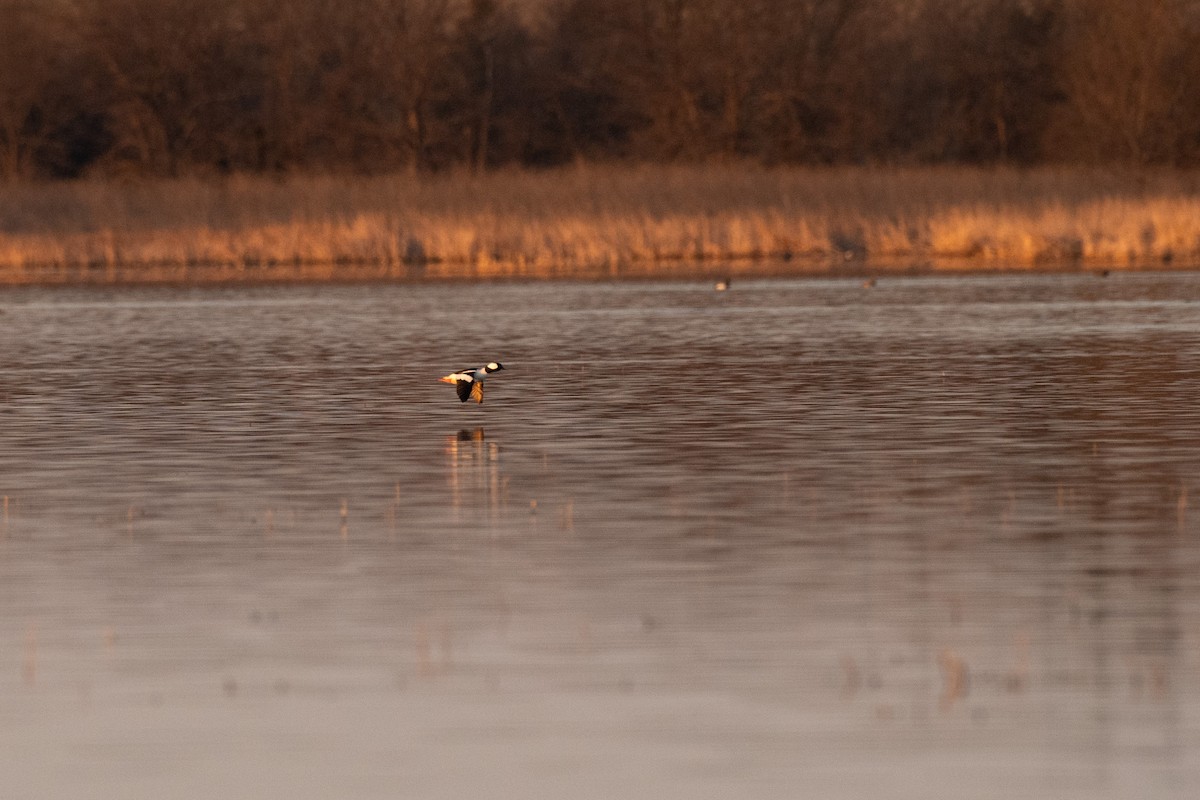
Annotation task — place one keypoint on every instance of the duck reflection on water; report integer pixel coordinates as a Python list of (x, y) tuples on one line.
[(467, 435), (475, 476)]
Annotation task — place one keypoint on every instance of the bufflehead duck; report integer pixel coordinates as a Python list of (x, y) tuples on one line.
[(723, 285), (469, 382)]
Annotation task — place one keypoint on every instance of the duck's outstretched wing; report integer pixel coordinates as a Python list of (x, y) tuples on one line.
[(465, 389), (475, 392)]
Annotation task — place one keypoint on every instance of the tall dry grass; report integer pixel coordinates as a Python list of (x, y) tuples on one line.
[(591, 221)]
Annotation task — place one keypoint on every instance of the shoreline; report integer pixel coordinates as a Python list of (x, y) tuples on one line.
[(694, 271), (596, 222)]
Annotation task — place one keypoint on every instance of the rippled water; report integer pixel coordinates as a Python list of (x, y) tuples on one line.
[(799, 539)]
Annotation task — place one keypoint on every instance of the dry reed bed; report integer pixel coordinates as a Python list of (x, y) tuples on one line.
[(599, 220)]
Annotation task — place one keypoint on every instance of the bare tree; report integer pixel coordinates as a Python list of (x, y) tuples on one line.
[(413, 52), (29, 45), (976, 81), (493, 78), (172, 86), (292, 40), (372, 74), (587, 102), (1128, 79), (177, 77)]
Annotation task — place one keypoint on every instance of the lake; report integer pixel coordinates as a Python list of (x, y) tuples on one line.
[(804, 538)]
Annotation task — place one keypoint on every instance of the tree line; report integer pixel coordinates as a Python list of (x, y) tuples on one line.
[(174, 87)]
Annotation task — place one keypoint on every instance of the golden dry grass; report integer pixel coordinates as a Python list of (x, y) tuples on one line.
[(591, 221)]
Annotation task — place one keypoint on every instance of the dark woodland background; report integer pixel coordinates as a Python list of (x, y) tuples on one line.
[(180, 87)]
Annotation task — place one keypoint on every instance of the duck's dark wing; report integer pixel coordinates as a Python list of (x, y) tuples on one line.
[(464, 389)]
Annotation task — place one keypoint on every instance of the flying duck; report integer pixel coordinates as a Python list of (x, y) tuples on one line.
[(469, 382)]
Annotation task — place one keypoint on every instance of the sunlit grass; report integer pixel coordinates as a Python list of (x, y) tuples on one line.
[(600, 220)]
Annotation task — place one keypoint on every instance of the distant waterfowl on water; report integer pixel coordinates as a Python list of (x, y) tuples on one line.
[(723, 284)]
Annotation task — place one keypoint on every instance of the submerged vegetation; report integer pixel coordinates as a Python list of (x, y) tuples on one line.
[(592, 221)]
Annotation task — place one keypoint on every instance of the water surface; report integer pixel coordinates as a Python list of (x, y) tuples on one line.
[(936, 538)]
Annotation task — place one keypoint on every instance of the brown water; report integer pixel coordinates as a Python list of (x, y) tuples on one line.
[(799, 539)]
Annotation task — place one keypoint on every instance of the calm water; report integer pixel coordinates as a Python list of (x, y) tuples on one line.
[(800, 539)]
